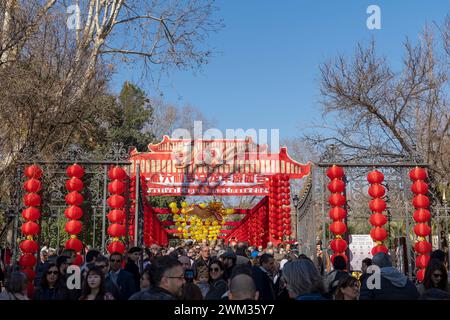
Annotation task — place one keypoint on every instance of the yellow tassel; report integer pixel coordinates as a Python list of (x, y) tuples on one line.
[(29, 237), (73, 236)]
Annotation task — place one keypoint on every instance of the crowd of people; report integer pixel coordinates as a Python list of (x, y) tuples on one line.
[(215, 271)]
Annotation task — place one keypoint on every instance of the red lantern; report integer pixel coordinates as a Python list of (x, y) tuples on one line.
[(32, 200), (336, 199), (379, 248), (378, 219), (73, 213), (116, 187), (73, 227), (419, 187), (32, 185), (338, 245), (288, 232), (422, 261), (116, 216), (74, 244), (376, 190), (335, 172), (422, 230), (375, 176), (31, 214), (29, 246), (117, 173), (287, 215), (418, 174), (116, 230), (420, 275), (280, 234), (338, 227), (116, 201), (75, 170), (74, 184), (422, 247), (116, 246), (30, 228), (30, 274), (336, 186), (339, 254), (78, 261), (27, 260), (377, 205), (74, 198), (422, 215), (378, 234), (337, 213), (421, 201), (33, 172)]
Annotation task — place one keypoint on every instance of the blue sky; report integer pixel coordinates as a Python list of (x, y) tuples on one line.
[(266, 73)]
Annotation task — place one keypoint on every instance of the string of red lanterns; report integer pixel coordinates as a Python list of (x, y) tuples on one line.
[(30, 228), (422, 216), (279, 207), (74, 212), (337, 213), (377, 205), (116, 202)]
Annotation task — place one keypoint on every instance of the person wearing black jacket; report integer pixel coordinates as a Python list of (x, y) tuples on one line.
[(218, 285), (132, 265), (50, 287), (122, 279), (263, 277)]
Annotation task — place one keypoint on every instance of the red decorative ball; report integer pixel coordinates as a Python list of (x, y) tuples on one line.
[(376, 190), (378, 234), (419, 187), (75, 170), (117, 173), (74, 184), (280, 234), (78, 261), (73, 227), (74, 199), (336, 186), (335, 172), (420, 275), (29, 246), (422, 261), (423, 247), (27, 260), (378, 219), (337, 213), (31, 214), (377, 205), (32, 185), (116, 230), (375, 176), (116, 216), (336, 200), (32, 200), (33, 171), (116, 246), (421, 201), (74, 244), (73, 213), (339, 254), (378, 249), (421, 215), (338, 245), (30, 274), (338, 227), (287, 232), (30, 228), (116, 187), (422, 230), (418, 174), (116, 201)]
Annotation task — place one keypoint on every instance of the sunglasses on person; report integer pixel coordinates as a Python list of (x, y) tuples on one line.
[(52, 272), (437, 275), (115, 261), (214, 269), (101, 266)]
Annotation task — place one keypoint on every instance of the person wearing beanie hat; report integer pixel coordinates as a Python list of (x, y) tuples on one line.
[(132, 265)]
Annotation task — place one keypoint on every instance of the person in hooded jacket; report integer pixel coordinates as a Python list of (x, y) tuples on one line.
[(393, 285)]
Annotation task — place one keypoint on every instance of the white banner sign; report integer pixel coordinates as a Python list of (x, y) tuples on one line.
[(360, 247)]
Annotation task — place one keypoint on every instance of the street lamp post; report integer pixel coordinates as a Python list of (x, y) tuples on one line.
[(295, 202)]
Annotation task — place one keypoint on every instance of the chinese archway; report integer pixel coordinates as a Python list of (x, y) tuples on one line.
[(222, 167)]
